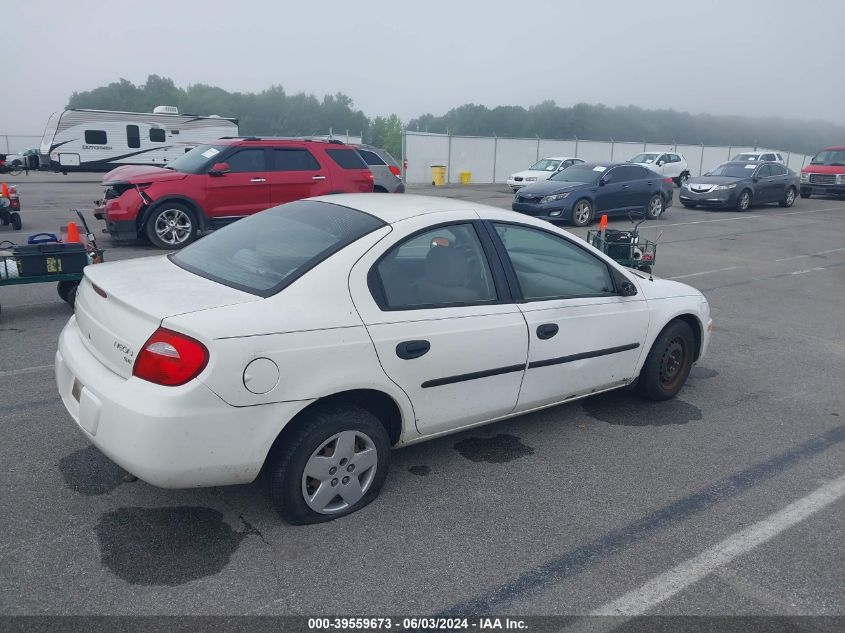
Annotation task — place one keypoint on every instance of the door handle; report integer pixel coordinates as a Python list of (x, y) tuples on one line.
[(649, 183), (412, 349), (625, 186), (258, 180), (547, 330), (318, 177)]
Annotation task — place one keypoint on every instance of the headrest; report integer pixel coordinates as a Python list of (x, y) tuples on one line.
[(446, 266)]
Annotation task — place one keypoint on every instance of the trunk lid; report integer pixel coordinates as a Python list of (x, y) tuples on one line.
[(140, 293)]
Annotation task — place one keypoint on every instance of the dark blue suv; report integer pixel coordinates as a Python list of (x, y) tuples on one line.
[(581, 193)]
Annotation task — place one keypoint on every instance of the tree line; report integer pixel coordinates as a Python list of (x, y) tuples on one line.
[(275, 112)]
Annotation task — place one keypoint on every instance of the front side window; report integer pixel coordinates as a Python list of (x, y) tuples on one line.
[(764, 172), (442, 267), (294, 159), (246, 160), (96, 137), (265, 252), (550, 267), (157, 135)]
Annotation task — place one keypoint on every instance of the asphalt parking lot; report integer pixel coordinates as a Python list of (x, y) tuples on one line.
[(558, 512)]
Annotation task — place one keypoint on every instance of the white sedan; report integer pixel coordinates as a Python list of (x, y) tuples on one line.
[(313, 337), (541, 170)]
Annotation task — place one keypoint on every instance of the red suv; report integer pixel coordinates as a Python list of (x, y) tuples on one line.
[(215, 184), (825, 174)]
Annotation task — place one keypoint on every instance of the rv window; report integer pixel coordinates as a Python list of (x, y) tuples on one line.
[(96, 137), (133, 136), (174, 131), (156, 135)]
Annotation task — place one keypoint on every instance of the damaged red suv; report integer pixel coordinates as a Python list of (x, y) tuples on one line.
[(213, 185)]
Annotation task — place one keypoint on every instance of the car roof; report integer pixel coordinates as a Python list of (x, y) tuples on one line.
[(560, 158), (836, 148), (270, 141), (393, 208)]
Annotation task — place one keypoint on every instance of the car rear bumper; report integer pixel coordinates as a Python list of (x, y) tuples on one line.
[(171, 437)]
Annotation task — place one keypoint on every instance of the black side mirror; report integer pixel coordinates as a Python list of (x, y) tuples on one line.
[(627, 289)]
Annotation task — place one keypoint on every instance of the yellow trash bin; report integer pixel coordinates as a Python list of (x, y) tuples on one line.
[(466, 177), (438, 175)]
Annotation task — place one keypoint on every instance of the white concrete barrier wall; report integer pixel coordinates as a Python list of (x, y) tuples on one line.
[(495, 159)]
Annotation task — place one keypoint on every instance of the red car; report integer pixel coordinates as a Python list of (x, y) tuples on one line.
[(825, 175), (215, 184)]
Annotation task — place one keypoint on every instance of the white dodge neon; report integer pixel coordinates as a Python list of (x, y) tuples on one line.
[(541, 170), (312, 337)]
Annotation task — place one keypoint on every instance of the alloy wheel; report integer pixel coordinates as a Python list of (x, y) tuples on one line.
[(655, 207), (173, 226), (581, 213), (340, 472)]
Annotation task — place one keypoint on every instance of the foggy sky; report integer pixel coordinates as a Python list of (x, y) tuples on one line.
[(757, 57)]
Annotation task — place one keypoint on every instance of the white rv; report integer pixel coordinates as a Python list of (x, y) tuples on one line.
[(100, 140)]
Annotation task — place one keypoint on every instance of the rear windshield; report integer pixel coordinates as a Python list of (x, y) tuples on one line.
[(749, 158), (266, 252), (371, 157), (346, 158)]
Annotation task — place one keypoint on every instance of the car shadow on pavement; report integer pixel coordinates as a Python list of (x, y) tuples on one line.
[(627, 409)]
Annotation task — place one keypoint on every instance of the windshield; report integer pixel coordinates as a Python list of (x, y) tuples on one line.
[(578, 173), (547, 164), (829, 157), (644, 158), (267, 251), (732, 170), (194, 161), (748, 158)]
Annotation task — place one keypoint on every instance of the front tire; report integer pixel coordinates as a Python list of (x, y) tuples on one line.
[(668, 364), (15, 219), (788, 199), (806, 193), (654, 208), (582, 213), (333, 463), (172, 226), (744, 201)]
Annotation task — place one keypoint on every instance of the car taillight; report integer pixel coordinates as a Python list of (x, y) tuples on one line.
[(170, 359), (369, 175), (395, 170), (669, 180)]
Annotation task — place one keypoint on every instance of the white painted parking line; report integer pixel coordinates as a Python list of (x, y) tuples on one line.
[(704, 272), (672, 582), (789, 259), (742, 217), (25, 370), (806, 270)]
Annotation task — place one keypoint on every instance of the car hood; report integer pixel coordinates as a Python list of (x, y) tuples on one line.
[(549, 187), (823, 169), (136, 174), (715, 180), (533, 173)]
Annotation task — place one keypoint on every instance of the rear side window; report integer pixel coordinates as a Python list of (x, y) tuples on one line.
[(346, 158), (96, 137), (294, 160), (265, 252), (371, 158), (133, 136), (778, 170), (156, 135)]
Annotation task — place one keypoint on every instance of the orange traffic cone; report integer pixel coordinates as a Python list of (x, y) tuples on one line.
[(73, 233), (4, 190), (603, 222)]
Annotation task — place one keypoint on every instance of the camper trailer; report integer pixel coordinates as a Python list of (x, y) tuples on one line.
[(100, 140)]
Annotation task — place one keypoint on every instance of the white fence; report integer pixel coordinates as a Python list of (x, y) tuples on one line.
[(493, 159)]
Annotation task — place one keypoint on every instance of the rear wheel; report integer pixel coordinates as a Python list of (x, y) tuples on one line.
[(744, 202), (332, 464), (15, 219), (65, 288), (172, 226), (683, 178), (582, 213), (789, 198), (654, 208), (668, 363), (14, 169)]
